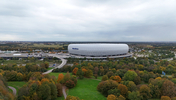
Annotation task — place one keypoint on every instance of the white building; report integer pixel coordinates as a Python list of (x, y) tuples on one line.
[(98, 50)]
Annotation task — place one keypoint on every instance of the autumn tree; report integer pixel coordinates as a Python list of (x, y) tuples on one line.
[(75, 71), (145, 92), (59, 89), (174, 98), (96, 70), (121, 98), (19, 76), (104, 86), (60, 77), (165, 98), (168, 89), (111, 97), (46, 65), (154, 90), (89, 73), (123, 89), (116, 78)]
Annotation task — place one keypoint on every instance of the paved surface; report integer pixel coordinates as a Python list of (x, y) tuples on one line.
[(63, 91), (61, 65), (13, 89)]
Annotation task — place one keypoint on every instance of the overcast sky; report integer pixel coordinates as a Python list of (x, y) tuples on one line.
[(88, 20)]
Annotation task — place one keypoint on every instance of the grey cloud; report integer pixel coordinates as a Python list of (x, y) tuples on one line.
[(96, 20)]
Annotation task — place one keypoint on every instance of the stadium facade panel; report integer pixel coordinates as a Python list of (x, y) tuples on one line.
[(98, 50)]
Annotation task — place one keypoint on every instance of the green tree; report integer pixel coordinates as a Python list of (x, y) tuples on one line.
[(104, 86), (131, 86), (89, 73), (59, 89), (145, 92), (129, 76), (44, 92), (135, 95), (104, 78), (80, 74), (53, 91), (115, 92), (109, 74), (66, 77)]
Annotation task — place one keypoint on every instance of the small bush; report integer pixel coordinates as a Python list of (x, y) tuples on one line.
[(70, 84)]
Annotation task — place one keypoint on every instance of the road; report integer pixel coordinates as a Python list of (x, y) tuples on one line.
[(64, 61), (13, 89)]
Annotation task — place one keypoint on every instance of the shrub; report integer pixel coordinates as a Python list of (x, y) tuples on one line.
[(70, 84), (72, 98)]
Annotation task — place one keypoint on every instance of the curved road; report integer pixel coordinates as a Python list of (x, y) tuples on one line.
[(61, 65), (13, 89)]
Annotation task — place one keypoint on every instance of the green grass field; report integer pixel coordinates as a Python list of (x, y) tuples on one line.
[(17, 85), (50, 68), (56, 74), (87, 89)]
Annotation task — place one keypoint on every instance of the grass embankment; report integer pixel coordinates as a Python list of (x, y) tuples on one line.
[(17, 85), (87, 89)]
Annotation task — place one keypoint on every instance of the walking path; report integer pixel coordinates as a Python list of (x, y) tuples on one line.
[(13, 89), (63, 91)]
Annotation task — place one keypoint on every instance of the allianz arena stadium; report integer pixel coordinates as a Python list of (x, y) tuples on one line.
[(99, 50)]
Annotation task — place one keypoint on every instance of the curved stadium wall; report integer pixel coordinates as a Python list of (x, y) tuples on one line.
[(98, 50)]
